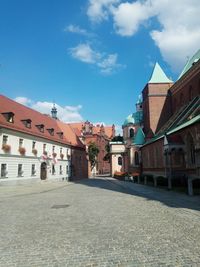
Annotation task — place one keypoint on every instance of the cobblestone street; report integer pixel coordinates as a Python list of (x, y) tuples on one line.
[(97, 222)]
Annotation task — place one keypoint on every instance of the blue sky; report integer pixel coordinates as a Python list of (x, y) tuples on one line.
[(92, 57)]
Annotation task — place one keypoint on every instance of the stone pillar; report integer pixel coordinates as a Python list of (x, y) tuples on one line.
[(155, 181), (170, 172), (145, 179), (190, 187)]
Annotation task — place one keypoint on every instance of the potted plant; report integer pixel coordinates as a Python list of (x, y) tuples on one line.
[(68, 156), (61, 155), (22, 150), (45, 153), (34, 151), (6, 148), (54, 154)]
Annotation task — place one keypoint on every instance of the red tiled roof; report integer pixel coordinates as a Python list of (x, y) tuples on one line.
[(96, 129), (70, 134), (24, 113)]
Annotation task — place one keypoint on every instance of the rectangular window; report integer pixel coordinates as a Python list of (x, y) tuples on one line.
[(53, 169), (67, 169), (20, 171), (61, 150), (33, 145), (44, 147), (61, 169), (53, 149), (3, 170), (5, 140), (21, 142), (33, 170)]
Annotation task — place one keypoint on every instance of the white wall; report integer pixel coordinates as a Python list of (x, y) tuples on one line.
[(14, 158)]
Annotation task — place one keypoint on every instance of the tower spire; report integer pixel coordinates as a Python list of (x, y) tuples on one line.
[(54, 112)]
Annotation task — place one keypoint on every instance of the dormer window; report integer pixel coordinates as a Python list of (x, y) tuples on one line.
[(27, 123), (9, 116), (51, 131), (60, 134), (40, 127)]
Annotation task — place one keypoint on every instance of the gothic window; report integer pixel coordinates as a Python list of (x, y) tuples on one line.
[(136, 158), (120, 161), (190, 93), (131, 133), (199, 87), (181, 99), (191, 150), (175, 104)]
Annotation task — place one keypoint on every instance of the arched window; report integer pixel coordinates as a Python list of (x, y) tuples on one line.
[(199, 86), (175, 104), (120, 161), (190, 93), (191, 149), (136, 158), (181, 99), (131, 133)]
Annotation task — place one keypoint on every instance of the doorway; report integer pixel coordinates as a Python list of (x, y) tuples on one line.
[(43, 171)]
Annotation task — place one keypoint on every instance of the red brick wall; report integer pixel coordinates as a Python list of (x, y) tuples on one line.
[(152, 156), (103, 167), (156, 106), (79, 164), (186, 88)]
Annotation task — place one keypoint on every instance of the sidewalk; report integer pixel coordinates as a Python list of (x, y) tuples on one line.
[(9, 191)]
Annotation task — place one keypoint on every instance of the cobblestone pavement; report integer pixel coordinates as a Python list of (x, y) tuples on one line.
[(97, 222)]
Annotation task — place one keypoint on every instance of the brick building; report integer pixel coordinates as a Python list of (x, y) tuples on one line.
[(173, 151), (169, 132), (100, 135)]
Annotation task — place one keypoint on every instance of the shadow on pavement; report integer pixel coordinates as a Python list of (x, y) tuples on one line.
[(168, 198)]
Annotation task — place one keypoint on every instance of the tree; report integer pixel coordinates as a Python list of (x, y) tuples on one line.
[(118, 139), (107, 156), (93, 152)]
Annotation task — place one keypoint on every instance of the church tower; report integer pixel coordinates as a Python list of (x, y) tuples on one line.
[(156, 102), (54, 112)]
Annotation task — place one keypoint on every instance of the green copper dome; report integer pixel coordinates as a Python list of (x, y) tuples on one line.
[(129, 120)]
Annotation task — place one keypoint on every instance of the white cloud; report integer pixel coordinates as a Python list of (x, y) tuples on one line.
[(106, 63), (99, 10), (128, 17), (109, 64), (85, 53), (65, 114), (177, 33), (76, 29), (23, 100), (118, 130)]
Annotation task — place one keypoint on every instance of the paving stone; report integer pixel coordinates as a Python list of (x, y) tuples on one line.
[(97, 222)]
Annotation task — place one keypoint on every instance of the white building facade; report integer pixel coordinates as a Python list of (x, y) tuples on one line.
[(23, 156), (34, 146)]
